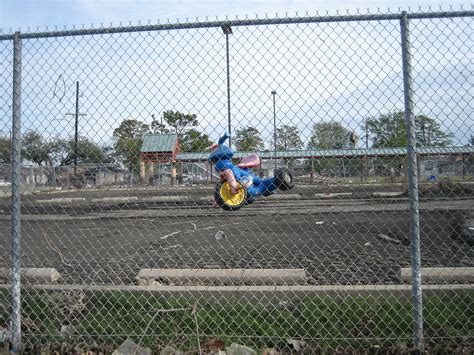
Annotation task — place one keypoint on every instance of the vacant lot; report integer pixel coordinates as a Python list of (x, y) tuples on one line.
[(349, 236)]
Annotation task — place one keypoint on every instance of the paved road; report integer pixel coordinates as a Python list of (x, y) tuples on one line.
[(106, 237)]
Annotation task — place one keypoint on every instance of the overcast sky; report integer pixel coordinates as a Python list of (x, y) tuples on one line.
[(344, 72), (22, 14)]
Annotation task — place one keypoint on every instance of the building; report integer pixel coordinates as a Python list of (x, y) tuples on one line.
[(158, 149)]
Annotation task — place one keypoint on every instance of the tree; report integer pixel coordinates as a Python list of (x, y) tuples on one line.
[(40, 151), (429, 133), (180, 122), (128, 141), (288, 137), (34, 148), (248, 139), (330, 135), (5, 150), (47, 153), (110, 154), (195, 141), (389, 131), (158, 127), (87, 152)]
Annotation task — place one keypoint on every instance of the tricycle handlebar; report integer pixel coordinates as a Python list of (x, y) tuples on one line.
[(223, 138)]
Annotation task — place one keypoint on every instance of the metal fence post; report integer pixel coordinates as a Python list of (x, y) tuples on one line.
[(412, 182), (16, 186)]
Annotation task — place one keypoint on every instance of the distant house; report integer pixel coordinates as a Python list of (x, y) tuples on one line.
[(105, 175), (445, 166), (159, 148)]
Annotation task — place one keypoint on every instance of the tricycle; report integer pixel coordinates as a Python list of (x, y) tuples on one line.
[(239, 185)]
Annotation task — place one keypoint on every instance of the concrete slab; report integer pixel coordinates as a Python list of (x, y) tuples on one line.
[(284, 196), (116, 199), (448, 274), (387, 194), (166, 198), (62, 200), (222, 276), (333, 194), (45, 276), (207, 198)]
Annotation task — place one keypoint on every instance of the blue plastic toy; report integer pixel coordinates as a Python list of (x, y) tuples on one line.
[(238, 184)]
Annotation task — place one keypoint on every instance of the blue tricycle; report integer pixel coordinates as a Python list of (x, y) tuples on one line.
[(238, 184)]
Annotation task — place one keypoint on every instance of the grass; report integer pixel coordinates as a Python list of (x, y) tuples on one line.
[(329, 323)]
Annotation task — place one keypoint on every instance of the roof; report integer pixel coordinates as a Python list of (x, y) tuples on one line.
[(335, 153), (159, 143)]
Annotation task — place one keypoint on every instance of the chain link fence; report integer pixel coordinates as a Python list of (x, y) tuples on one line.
[(107, 186)]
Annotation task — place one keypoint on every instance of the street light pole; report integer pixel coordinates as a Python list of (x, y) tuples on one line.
[(76, 128), (274, 128), (366, 134), (227, 31)]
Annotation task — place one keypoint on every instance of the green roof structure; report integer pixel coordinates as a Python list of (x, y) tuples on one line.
[(158, 148), (159, 143), (335, 153)]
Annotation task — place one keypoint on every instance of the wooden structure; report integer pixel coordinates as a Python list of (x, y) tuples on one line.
[(158, 148)]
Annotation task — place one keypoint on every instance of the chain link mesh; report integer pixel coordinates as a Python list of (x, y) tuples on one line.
[(119, 198)]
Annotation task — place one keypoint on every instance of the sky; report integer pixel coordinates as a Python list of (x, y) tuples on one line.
[(24, 14), (344, 72)]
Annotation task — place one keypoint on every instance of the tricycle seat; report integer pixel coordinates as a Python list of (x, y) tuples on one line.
[(250, 161)]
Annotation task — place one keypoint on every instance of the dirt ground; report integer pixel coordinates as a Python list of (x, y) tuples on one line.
[(351, 236)]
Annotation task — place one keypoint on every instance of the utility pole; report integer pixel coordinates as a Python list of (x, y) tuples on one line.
[(76, 127)]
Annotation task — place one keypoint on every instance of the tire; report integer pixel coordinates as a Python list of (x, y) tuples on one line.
[(226, 200), (250, 199), (284, 179)]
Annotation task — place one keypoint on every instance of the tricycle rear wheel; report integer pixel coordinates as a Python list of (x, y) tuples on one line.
[(284, 179)]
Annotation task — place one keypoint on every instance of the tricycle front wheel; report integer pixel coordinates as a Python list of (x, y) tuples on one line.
[(226, 199)]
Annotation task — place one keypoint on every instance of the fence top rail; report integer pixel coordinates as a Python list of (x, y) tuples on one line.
[(237, 22)]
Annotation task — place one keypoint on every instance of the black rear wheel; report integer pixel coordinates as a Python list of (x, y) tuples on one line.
[(284, 179), (250, 199)]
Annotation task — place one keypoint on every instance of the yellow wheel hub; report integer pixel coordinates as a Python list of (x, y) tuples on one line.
[(229, 198)]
